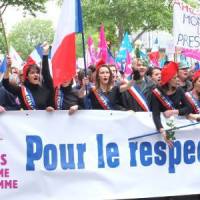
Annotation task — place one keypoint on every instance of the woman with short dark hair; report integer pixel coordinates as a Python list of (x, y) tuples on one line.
[(35, 93)]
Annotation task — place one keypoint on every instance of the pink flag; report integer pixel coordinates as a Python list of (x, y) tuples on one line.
[(63, 49), (191, 53), (102, 46), (92, 51), (128, 69)]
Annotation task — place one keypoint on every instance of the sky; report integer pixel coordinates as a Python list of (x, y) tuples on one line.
[(14, 15)]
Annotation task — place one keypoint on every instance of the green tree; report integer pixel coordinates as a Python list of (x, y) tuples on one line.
[(30, 6), (127, 15), (2, 42), (30, 32), (119, 16)]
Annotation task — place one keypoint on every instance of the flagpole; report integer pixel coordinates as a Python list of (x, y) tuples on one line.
[(157, 132), (4, 33), (84, 55), (83, 43)]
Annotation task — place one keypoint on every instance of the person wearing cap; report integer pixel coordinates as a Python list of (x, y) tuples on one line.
[(33, 94), (169, 99), (183, 77), (193, 97)]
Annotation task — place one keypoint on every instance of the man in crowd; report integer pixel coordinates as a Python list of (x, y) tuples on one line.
[(183, 77)]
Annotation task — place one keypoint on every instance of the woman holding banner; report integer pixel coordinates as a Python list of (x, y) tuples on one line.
[(169, 99), (66, 98)]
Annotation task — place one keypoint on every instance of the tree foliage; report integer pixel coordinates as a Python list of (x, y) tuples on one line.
[(119, 16), (2, 41), (127, 15), (29, 33), (28, 5)]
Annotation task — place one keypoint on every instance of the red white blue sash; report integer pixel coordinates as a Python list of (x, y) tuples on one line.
[(59, 96), (102, 99), (28, 98), (165, 101), (135, 92), (193, 102)]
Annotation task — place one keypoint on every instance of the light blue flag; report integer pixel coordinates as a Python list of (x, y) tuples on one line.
[(125, 46), (143, 53), (184, 61), (162, 62)]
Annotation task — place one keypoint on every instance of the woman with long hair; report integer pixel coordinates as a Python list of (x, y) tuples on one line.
[(104, 95)]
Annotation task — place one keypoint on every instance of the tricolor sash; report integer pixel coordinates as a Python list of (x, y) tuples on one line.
[(165, 101), (28, 98), (193, 102), (135, 92), (59, 96), (102, 99)]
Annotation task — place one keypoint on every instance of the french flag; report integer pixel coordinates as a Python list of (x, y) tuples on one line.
[(36, 55), (64, 48), (3, 66), (16, 59)]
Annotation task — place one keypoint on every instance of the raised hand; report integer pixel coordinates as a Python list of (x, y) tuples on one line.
[(46, 48)]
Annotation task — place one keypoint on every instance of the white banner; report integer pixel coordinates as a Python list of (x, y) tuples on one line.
[(54, 156), (186, 26)]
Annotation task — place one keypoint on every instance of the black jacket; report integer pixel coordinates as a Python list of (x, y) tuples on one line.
[(7, 100)]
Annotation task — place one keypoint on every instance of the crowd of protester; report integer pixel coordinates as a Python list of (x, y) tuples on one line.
[(173, 90)]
